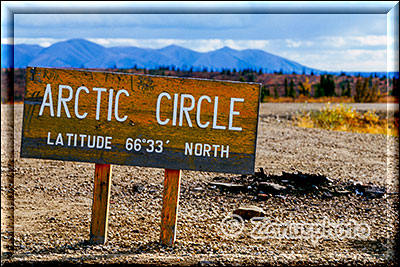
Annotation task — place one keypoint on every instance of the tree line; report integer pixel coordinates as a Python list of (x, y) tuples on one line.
[(365, 89)]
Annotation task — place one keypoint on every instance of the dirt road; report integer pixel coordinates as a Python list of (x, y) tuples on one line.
[(52, 204)]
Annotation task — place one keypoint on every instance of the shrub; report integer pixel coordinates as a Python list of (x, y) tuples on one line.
[(345, 118), (365, 91)]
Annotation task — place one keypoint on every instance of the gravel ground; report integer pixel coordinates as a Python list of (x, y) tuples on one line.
[(52, 201)]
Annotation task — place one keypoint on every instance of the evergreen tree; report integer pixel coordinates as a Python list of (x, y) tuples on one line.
[(264, 92), (342, 87), (395, 87), (292, 91), (276, 95), (286, 88), (346, 90), (328, 85), (251, 78), (319, 90)]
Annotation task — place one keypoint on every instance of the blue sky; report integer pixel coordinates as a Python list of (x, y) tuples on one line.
[(334, 42)]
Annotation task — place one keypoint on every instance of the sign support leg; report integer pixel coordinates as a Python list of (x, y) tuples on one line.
[(101, 203), (172, 181)]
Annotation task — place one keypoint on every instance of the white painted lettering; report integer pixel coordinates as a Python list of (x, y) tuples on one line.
[(232, 112), (160, 96), (99, 144), (207, 149), (116, 105), (48, 139), (175, 110), (64, 100), (110, 100), (188, 148), (47, 95), (98, 103), (59, 140), (107, 144), (215, 150), (93, 138), (215, 126), (185, 110), (69, 138), (198, 149), (226, 151), (199, 111), (82, 136), (77, 102)]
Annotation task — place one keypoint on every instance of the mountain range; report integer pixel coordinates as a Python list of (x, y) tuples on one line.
[(81, 53)]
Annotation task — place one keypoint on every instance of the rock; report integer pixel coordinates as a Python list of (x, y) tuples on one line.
[(205, 263), (369, 190), (262, 196), (326, 195), (268, 187), (342, 192), (248, 212), (137, 188), (198, 189), (306, 179), (356, 183), (229, 187), (260, 174), (374, 192)]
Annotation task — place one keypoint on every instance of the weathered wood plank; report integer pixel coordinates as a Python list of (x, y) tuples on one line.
[(194, 111), (101, 203), (170, 206)]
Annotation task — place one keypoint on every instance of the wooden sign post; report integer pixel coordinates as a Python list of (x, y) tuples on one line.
[(169, 213), (139, 120), (101, 203)]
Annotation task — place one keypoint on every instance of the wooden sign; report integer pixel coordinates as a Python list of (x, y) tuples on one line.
[(141, 120)]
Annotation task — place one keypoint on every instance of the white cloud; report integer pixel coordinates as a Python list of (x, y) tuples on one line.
[(44, 42), (205, 45), (371, 40), (7, 40), (199, 45), (333, 41), (342, 60), (339, 41), (298, 43)]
